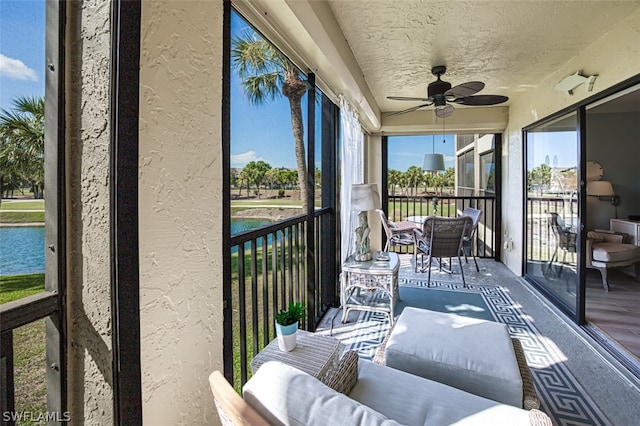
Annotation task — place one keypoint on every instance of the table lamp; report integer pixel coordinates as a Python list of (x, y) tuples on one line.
[(364, 197)]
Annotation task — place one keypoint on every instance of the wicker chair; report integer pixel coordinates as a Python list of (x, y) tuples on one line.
[(566, 240), (467, 242), (232, 409), (441, 237), (400, 234)]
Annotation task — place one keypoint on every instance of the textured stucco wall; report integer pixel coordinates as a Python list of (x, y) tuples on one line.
[(614, 57), (88, 288), (180, 209)]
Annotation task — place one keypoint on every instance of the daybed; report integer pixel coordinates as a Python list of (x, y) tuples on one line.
[(372, 394)]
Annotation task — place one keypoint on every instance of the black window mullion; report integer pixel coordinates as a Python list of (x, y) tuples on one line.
[(125, 284), (54, 173)]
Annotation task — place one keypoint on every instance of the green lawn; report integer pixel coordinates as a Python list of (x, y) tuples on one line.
[(21, 217), (22, 205), (12, 211), (29, 342), (13, 287)]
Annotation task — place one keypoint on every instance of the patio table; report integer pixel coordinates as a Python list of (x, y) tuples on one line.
[(362, 280)]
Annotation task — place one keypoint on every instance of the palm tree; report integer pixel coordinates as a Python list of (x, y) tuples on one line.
[(22, 143), (265, 73)]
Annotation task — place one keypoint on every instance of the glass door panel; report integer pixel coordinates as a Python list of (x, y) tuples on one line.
[(552, 223)]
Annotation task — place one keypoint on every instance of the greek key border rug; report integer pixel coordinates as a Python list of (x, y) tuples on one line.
[(561, 396)]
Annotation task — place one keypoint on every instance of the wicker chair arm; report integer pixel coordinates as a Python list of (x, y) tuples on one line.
[(232, 409)]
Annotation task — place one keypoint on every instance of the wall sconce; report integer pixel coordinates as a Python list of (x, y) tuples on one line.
[(603, 190)]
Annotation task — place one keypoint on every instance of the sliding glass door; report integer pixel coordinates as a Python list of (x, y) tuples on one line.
[(551, 211)]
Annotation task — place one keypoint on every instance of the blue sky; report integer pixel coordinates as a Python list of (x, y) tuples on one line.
[(257, 132), (22, 58), (407, 151), (555, 149)]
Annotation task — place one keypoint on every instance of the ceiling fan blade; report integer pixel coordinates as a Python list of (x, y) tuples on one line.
[(444, 111), (481, 100), (408, 109), (465, 89), (404, 98)]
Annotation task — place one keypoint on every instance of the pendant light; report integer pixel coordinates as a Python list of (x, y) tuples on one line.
[(434, 162)]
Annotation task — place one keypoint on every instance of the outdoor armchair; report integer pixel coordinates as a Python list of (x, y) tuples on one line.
[(440, 237), (467, 241)]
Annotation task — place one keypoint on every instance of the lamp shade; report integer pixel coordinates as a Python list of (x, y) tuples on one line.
[(364, 196), (433, 162), (600, 188)]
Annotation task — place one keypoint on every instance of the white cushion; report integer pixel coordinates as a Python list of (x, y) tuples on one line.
[(614, 252), (284, 395), (467, 353), (413, 400)]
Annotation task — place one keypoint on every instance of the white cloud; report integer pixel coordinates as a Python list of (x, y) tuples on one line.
[(16, 69), (244, 158)]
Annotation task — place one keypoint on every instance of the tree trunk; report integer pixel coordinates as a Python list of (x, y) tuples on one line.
[(294, 89)]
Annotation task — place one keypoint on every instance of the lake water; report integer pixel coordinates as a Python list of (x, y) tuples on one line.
[(21, 250), (22, 247), (242, 225)]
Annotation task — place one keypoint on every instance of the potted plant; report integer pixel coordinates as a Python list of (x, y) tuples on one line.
[(287, 325)]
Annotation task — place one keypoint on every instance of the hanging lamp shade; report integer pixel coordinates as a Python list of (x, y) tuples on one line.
[(433, 162)]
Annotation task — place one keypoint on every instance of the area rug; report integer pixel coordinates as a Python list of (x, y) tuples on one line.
[(561, 396)]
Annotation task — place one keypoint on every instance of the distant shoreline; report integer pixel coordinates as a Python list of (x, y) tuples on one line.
[(9, 224), (267, 213)]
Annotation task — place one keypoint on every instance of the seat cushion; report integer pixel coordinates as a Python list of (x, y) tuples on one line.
[(284, 395), (413, 400), (614, 252), (467, 353)]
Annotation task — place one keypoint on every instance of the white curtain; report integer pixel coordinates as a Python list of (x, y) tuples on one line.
[(351, 171)]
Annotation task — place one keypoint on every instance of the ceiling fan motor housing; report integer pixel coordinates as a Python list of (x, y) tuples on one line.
[(437, 87)]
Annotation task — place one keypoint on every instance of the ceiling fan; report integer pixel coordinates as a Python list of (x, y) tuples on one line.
[(441, 94)]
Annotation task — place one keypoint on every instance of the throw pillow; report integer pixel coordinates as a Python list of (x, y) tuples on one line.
[(345, 376), (596, 236)]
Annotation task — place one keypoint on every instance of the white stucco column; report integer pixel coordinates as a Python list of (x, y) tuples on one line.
[(180, 209)]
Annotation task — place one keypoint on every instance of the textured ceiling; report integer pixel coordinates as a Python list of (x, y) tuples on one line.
[(509, 45)]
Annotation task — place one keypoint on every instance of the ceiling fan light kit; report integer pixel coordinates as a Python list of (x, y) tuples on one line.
[(440, 94)]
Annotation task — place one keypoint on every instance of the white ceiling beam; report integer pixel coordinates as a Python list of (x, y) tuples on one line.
[(463, 120)]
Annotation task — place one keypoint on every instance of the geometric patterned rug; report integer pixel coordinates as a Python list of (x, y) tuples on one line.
[(561, 396)]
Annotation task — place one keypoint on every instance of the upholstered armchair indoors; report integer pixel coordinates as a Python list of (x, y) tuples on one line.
[(607, 249)]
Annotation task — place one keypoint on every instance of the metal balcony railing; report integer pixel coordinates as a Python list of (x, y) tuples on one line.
[(270, 268), (13, 315), (484, 244)]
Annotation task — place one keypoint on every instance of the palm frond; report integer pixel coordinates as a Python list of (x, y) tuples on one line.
[(260, 66)]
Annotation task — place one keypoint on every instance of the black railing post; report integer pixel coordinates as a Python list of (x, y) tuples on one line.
[(7, 391)]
